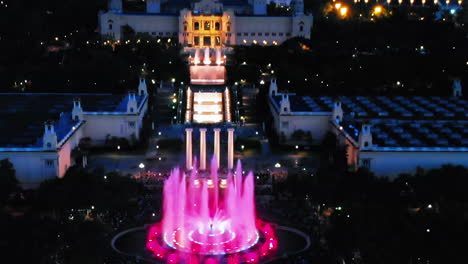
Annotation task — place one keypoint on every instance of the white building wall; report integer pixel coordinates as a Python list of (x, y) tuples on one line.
[(259, 24), (97, 127), (391, 164), (32, 167), (65, 160), (155, 25), (317, 125)]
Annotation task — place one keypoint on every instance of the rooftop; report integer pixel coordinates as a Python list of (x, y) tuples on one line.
[(385, 107), (399, 123), (22, 116)]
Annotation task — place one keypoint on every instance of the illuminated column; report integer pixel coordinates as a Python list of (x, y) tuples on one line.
[(216, 145), (202, 148), (230, 148), (188, 148)]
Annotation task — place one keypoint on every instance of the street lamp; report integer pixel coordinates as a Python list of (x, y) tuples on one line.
[(141, 166)]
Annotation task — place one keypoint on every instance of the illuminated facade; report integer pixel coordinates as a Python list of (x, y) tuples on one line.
[(208, 23), (387, 134), (41, 151)]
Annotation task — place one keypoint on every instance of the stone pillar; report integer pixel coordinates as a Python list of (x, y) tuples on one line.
[(202, 148), (188, 148), (217, 151), (230, 148)]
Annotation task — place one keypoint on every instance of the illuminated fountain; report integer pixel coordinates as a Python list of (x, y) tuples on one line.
[(208, 218), (206, 57), (196, 60), (219, 61)]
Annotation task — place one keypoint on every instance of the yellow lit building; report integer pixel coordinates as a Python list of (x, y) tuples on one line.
[(208, 23)]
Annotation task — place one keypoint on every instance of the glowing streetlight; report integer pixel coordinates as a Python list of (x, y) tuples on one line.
[(378, 10), (343, 11), (141, 166), (277, 165)]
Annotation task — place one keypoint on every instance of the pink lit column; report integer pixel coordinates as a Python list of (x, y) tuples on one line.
[(202, 148), (216, 146), (230, 148), (188, 148)]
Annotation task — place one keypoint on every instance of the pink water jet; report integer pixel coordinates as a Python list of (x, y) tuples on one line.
[(208, 214)]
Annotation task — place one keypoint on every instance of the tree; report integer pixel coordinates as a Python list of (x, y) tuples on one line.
[(298, 135), (128, 32), (82, 188), (308, 138), (8, 181)]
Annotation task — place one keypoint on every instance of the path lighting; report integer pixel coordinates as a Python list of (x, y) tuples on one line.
[(378, 10), (141, 166), (277, 165)]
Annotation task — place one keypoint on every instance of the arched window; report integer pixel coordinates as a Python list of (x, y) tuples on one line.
[(110, 24), (366, 144), (301, 26), (196, 26), (228, 26), (217, 26), (49, 145), (131, 109), (185, 25), (207, 25), (285, 109)]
